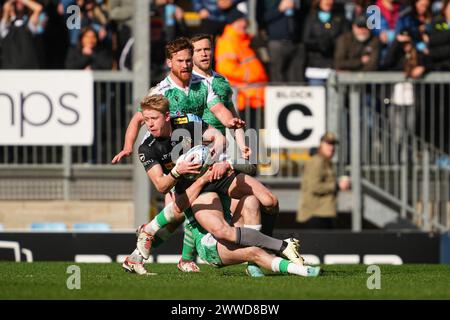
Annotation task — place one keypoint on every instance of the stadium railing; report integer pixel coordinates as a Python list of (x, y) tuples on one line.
[(402, 156), (395, 139)]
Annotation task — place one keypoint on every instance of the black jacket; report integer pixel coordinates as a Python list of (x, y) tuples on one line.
[(439, 46), (99, 60), (319, 38), (19, 49), (277, 25)]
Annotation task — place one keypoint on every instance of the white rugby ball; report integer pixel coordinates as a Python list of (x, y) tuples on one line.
[(201, 156)]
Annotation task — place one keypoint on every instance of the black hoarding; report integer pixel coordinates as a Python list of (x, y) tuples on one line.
[(319, 247)]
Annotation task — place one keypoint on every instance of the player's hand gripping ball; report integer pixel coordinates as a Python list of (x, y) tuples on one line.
[(201, 155)]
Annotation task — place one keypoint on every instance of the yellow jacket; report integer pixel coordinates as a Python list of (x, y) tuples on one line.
[(237, 61)]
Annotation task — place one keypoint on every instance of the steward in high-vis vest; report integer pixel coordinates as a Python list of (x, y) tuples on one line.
[(237, 61)]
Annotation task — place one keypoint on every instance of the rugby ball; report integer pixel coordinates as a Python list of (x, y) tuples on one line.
[(201, 155)]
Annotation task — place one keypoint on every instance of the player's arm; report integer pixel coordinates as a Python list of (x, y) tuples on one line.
[(219, 146), (163, 183), (226, 117), (217, 139), (187, 198), (220, 111), (240, 139), (130, 137)]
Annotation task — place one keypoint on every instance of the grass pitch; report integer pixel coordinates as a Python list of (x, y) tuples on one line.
[(48, 280)]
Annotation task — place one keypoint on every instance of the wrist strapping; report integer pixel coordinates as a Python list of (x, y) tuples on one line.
[(174, 173)]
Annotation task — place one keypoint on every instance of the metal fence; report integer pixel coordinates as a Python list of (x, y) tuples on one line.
[(396, 137), (394, 141)]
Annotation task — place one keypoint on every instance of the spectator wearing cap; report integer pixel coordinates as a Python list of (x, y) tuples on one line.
[(282, 20), (325, 23), (237, 61), (358, 49), (319, 187)]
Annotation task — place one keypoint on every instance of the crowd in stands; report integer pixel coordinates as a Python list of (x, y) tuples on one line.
[(303, 39)]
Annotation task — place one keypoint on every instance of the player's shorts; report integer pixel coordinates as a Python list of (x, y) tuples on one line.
[(220, 186), (206, 246)]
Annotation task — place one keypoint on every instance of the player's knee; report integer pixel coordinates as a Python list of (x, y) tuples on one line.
[(223, 233), (251, 204), (269, 200), (177, 209)]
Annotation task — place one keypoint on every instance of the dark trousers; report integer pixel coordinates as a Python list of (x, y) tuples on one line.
[(287, 61), (321, 223)]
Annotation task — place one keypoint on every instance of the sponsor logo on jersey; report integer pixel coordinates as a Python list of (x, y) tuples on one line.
[(180, 120)]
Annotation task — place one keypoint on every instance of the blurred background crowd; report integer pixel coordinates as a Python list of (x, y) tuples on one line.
[(295, 40)]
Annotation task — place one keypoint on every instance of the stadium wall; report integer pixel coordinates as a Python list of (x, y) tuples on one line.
[(21, 214), (369, 247)]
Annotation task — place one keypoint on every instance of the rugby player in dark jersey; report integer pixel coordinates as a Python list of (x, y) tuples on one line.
[(156, 155)]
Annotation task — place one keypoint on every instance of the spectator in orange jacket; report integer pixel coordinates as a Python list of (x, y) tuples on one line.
[(237, 61)]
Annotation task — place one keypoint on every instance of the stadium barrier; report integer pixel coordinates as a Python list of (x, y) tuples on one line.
[(395, 137), (401, 156), (329, 247)]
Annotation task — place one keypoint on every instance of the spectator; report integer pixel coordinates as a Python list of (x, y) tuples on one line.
[(403, 56), (237, 61), (417, 20), (18, 29), (213, 14), (55, 39), (389, 10), (357, 50), (360, 7), (439, 40), (281, 21), (93, 15), (439, 60), (172, 17), (318, 202), (322, 27), (121, 18), (88, 55)]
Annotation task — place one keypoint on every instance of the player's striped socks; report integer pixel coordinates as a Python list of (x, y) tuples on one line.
[(285, 266), (188, 253), (163, 218)]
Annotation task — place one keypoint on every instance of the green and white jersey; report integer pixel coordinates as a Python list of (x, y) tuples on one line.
[(222, 89), (194, 99)]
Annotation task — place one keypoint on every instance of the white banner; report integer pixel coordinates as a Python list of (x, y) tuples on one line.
[(46, 108), (298, 113)]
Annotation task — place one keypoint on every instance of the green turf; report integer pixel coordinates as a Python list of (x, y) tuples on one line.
[(47, 280)]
